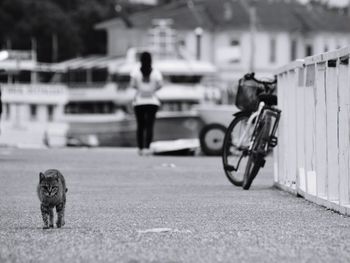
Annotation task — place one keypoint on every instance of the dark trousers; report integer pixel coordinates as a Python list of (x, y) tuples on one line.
[(145, 118)]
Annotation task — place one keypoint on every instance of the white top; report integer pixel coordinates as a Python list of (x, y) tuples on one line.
[(146, 91)]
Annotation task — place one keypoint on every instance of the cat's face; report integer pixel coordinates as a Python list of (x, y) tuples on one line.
[(49, 185)]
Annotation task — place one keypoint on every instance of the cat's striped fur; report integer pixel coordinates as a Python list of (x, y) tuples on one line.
[(52, 194)]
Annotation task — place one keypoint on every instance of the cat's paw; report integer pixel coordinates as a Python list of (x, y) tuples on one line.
[(46, 227), (51, 226), (61, 223)]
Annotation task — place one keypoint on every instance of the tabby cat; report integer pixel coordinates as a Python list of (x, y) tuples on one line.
[(52, 193)]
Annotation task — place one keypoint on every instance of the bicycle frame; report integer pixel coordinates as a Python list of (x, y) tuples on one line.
[(246, 134), (251, 125), (272, 113)]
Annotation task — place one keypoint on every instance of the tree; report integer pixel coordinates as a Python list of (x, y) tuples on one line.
[(24, 20), (61, 28)]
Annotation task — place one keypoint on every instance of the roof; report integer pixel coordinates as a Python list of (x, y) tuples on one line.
[(93, 61), (172, 67), (123, 65), (209, 14)]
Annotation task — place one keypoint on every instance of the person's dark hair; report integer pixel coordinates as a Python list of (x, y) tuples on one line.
[(146, 65)]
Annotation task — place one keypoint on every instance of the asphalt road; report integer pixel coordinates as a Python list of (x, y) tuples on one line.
[(126, 208)]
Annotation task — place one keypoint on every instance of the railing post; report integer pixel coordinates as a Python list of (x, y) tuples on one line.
[(344, 128), (321, 134), (286, 164), (309, 125), (300, 146), (332, 130), (284, 121), (291, 157), (279, 157)]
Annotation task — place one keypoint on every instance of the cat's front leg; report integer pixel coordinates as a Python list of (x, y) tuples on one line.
[(60, 215), (45, 212), (51, 218)]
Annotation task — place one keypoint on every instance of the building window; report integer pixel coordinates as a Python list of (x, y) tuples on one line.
[(33, 112), (102, 107), (309, 50), (3, 77), (235, 52), (325, 48), (234, 43), (231, 53), (8, 111), (182, 43), (272, 50), (50, 111), (162, 37), (293, 50)]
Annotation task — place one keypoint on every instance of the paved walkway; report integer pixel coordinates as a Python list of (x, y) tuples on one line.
[(125, 208)]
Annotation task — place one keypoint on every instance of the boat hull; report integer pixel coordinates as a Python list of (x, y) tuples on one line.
[(107, 133), (122, 133)]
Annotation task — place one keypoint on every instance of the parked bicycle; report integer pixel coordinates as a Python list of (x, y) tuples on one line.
[(251, 134)]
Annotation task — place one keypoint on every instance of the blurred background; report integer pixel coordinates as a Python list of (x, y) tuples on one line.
[(65, 64)]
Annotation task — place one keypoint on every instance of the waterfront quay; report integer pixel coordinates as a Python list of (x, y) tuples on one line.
[(122, 207)]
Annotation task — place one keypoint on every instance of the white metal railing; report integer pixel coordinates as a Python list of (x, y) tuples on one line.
[(312, 158)]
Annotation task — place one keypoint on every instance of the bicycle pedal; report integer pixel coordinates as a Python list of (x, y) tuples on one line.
[(273, 141), (259, 159), (262, 163)]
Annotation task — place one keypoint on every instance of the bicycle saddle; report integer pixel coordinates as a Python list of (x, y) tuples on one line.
[(268, 99)]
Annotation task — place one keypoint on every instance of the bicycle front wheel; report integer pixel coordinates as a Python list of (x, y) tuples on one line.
[(256, 158), (234, 157)]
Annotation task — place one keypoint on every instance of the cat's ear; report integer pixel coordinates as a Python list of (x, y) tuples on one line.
[(41, 177), (56, 177)]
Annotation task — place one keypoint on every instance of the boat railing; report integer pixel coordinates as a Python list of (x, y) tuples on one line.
[(92, 85)]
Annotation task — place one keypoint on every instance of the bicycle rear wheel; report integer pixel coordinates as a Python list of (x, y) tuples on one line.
[(256, 159), (233, 156)]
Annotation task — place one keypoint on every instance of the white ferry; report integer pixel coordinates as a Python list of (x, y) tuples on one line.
[(86, 101), (33, 101)]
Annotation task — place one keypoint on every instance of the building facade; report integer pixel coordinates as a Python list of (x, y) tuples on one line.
[(235, 36)]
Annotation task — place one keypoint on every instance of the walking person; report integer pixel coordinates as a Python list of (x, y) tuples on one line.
[(147, 81)]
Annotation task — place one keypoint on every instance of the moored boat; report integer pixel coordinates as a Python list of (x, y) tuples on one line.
[(86, 101)]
